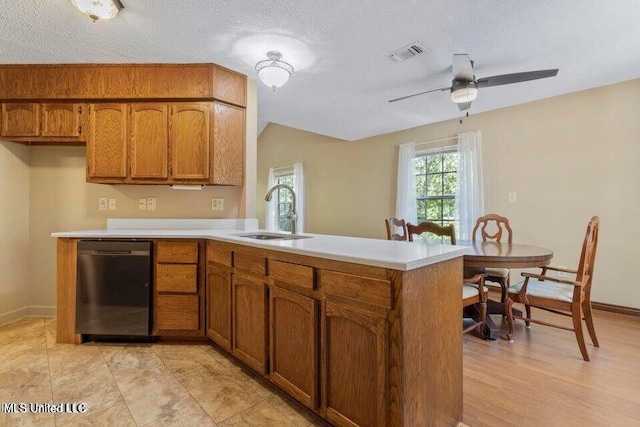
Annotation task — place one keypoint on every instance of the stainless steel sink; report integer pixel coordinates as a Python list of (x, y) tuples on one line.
[(272, 236)]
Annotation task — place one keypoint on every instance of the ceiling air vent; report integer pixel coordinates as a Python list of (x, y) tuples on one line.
[(406, 52)]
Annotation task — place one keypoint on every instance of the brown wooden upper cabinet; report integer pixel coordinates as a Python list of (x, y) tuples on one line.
[(107, 142), (167, 143), (42, 122), (190, 141), (228, 144), (149, 141), (20, 119), (61, 119)]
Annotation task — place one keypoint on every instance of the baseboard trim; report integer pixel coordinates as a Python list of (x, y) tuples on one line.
[(42, 310), (27, 311), (619, 309), (14, 315)]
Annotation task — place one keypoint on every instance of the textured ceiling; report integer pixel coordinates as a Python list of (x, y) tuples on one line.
[(338, 49)]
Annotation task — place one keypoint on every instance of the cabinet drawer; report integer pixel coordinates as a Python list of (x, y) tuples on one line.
[(252, 263), (300, 275), (180, 252), (358, 288), (177, 278), (178, 312), (218, 254)]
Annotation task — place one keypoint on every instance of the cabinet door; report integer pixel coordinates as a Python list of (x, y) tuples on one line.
[(107, 141), (354, 367), (228, 144), (219, 305), (178, 312), (20, 119), (250, 322), (190, 141), (61, 119), (294, 344), (149, 140)]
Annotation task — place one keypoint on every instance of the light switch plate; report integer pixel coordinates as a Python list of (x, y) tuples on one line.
[(217, 204), (142, 204), (103, 203), (512, 198), (112, 204), (151, 203)]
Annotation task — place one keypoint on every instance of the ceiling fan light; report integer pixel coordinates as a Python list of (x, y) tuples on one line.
[(463, 91), (273, 72), (99, 10)]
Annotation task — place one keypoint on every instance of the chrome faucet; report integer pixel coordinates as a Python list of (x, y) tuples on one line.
[(291, 215)]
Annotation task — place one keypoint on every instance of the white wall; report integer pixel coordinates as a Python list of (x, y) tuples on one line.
[(14, 230), (567, 158)]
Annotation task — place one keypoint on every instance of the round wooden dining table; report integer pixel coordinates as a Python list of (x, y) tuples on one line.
[(505, 255), (501, 255)]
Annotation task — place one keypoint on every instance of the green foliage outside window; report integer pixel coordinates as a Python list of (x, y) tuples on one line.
[(436, 187), (284, 202)]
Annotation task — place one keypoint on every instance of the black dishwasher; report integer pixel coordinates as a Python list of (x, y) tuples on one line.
[(113, 291)]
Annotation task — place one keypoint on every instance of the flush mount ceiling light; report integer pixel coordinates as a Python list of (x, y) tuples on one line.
[(464, 91), (273, 72), (99, 10)]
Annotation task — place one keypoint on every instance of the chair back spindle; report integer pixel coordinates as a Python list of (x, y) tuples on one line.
[(500, 222), (393, 226), (431, 227)]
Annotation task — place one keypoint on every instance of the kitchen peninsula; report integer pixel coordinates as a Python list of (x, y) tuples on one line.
[(363, 332)]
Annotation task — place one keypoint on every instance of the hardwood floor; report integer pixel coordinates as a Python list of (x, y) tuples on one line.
[(541, 380)]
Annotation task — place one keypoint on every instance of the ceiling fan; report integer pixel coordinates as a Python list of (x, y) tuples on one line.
[(464, 86)]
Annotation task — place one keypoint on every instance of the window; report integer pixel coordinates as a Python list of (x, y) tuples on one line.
[(275, 216), (284, 201), (436, 173)]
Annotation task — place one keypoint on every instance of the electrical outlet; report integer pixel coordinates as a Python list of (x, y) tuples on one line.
[(562, 274), (217, 204), (512, 198), (142, 204), (112, 204), (151, 203), (103, 204)]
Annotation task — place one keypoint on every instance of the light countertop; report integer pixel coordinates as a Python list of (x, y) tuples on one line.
[(394, 255)]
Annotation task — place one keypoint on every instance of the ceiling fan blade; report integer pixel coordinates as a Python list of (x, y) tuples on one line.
[(464, 106), (506, 79), (421, 93), (462, 67)]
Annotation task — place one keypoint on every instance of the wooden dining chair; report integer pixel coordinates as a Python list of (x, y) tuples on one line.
[(561, 296), (393, 226), (474, 290), (433, 228), (501, 224)]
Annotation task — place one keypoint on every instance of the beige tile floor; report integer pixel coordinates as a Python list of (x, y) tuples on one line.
[(135, 384)]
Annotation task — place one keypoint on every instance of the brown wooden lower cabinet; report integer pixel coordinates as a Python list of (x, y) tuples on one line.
[(355, 365), (178, 312), (361, 346), (219, 305), (249, 315), (179, 288), (294, 344)]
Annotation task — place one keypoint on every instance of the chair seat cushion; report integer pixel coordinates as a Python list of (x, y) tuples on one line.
[(545, 289), (469, 290), (497, 272)]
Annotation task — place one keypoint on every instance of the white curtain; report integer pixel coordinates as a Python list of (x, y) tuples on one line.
[(469, 188), (298, 187), (406, 205), (271, 208)]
